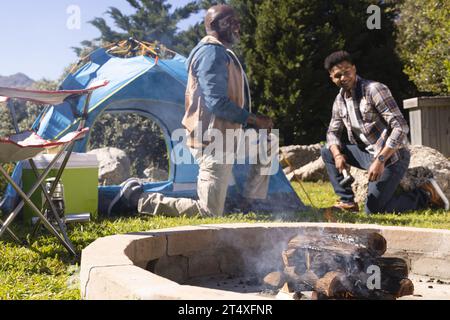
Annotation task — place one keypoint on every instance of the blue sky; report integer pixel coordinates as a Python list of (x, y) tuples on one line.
[(36, 40)]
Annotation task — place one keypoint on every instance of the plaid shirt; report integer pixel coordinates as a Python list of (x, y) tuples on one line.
[(378, 115)]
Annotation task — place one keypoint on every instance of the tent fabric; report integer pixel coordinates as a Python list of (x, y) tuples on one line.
[(153, 88)]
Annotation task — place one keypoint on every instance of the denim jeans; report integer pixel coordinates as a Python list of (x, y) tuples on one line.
[(382, 196)]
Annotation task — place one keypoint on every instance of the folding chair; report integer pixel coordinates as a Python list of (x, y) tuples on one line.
[(26, 145)]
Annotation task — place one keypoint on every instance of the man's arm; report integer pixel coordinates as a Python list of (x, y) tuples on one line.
[(211, 67), (335, 128), (334, 134), (388, 109)]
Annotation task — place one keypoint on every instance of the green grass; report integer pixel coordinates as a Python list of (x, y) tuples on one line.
[(46, 271), (322, 196)]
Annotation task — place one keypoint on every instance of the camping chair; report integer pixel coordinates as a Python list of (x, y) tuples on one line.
[(26, 145)]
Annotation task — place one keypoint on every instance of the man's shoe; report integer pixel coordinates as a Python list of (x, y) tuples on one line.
[(435, 194), (126, 199), (346, 206)]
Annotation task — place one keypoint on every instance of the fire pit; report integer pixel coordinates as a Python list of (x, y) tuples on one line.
[(270, 261)]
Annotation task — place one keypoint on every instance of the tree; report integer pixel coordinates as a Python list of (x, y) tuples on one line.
[(27, 113), (284, 44), (423, 43), (152, 21)]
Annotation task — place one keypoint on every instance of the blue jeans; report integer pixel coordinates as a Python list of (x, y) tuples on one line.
[(382, 196)]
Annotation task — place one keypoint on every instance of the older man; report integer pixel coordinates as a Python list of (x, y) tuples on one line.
[(377, 132), (217, 100)]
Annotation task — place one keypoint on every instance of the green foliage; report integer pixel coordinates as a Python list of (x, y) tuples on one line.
[(8, 167), (188, 39), (140, 138), (151, 21), (423, 43), (26, 112), (284, 44)]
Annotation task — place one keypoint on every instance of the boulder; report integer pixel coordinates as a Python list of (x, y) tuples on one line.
[(298, 155), (154, 174), (313, 172), (360, 185), (114, 165), (425, 163)]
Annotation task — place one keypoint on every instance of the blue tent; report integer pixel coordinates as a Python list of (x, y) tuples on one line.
[(153, 88)]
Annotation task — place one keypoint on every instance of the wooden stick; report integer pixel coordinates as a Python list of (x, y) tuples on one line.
[(275, 279), (331, 284), (406, 288)]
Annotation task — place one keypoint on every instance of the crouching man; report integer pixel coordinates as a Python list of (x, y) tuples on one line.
[(377, 132), (218, 98)]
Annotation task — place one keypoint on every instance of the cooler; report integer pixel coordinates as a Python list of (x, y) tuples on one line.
[(79, 180)]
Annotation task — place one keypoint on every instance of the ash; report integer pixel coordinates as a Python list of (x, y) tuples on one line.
[(250, 285)]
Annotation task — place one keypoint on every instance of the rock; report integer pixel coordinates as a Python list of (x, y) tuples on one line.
[(114, 165), (299, 155), (425, 163), (360, 185), (313, 171), (153, 174)]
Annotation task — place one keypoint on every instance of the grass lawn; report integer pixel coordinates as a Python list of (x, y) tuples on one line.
[(46, 271)]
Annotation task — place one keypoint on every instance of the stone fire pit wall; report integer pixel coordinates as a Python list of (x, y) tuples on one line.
[(157, 264)]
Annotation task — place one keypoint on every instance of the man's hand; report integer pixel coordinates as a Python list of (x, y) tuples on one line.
[(376, 170), (340, 162), (260, 121)]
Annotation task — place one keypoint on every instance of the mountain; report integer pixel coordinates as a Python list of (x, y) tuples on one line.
[(18, 80)]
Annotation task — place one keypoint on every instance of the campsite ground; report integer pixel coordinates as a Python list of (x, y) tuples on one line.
[(45, 271)]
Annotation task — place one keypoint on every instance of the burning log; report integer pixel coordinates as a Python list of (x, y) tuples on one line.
[(333, 252), (371, 242), (336, 266), (303, 282), (275, 279), (394, 276), (406, 288), (321, 260), (309, 278), (333, 284), (390, 287), (397, 287), (392, 267)]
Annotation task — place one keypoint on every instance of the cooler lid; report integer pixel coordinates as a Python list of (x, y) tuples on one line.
[(76, 160)]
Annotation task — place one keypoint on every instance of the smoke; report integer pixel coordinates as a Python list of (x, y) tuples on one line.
[(312, 253)]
